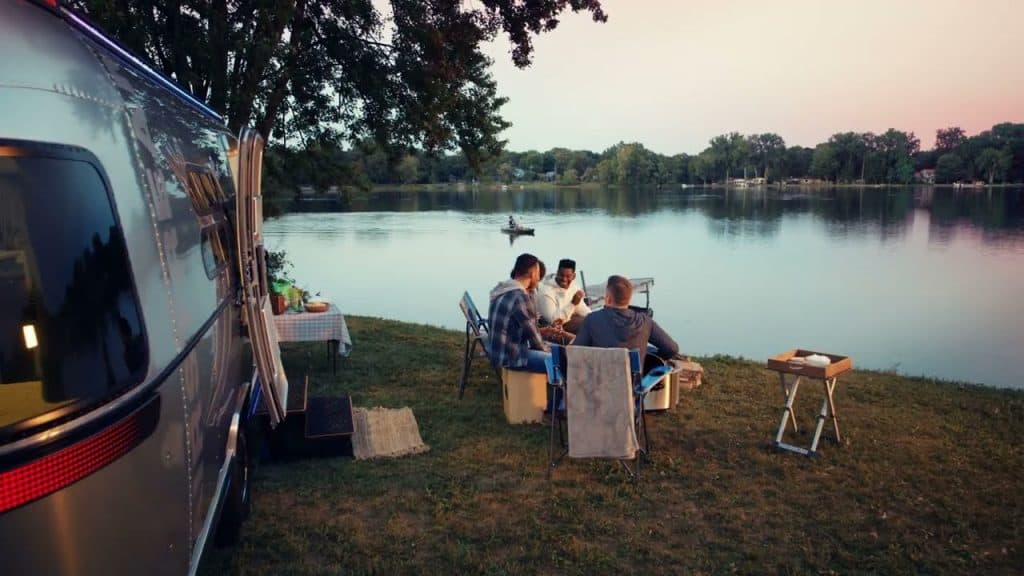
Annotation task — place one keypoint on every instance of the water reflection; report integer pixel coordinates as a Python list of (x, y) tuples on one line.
[(926, 281), (882, 212)]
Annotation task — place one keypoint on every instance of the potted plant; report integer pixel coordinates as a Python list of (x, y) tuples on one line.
[(278, 280)]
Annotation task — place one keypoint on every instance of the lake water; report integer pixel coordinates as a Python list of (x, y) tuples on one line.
[(923, 282)]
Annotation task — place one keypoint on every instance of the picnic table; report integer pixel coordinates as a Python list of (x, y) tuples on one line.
[(328, 326)]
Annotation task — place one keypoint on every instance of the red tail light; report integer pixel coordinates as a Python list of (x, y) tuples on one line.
[(61, 469)]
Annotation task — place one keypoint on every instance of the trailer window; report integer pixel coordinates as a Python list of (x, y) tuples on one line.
[(71, 335), (214, 248)]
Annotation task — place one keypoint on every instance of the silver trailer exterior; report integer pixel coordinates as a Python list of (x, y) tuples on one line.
[(124, 371)]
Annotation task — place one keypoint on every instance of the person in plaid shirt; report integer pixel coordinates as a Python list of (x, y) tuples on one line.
[(516, 342)]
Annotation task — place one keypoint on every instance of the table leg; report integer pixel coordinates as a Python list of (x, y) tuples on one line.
[(830, 388), (787, 412), (333, 348), (827, 411), (785, 394)]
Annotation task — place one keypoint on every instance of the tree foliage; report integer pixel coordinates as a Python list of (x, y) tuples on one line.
[(949, 139), (994, 164), (949, 169), (825, 162), (768, 152), (406, 73)]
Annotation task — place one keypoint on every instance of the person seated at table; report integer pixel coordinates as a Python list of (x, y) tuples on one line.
[(533, 292), (553, 334), (560, 301), (618, 326), (515, 340)]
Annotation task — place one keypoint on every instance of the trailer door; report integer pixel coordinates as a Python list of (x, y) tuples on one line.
[(253, 273)]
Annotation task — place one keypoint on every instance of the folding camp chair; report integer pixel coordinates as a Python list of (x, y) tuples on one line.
[(477, 334), (642, 385), (555, 365), (638, 383)]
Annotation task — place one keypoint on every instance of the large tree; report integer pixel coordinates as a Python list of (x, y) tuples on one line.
[(994, 163), (848, 149), (824, 162), (797, 162), (898, 149), (730, 153), (949, 139), (768, 152), (406, 73), (949, 168)]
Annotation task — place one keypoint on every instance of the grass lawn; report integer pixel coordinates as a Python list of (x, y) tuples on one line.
[(930, 479)]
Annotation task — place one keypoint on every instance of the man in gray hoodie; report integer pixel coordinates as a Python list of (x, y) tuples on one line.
[(617, 326), (515, 341)]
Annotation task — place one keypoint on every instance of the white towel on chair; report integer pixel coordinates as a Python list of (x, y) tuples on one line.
[(599, 403)]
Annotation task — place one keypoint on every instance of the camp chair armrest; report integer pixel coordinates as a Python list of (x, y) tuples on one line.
[(652, 378)]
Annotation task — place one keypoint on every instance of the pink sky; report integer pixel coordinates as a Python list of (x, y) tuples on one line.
[(672, 74)]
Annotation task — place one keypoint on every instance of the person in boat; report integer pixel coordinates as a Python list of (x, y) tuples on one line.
[(515, 340), (560, 300), (512, 223), (618, 326)]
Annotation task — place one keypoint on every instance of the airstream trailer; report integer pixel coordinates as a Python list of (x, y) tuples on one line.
[(133, 308)]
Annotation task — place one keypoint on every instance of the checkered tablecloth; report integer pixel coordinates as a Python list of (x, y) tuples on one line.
[(314, 327)]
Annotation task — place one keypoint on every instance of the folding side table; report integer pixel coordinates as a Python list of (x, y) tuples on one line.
[(791, 363)]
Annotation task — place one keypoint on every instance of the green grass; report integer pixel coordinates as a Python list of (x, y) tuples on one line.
[(929, 480)]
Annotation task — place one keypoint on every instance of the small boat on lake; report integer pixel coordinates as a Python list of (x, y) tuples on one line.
[(518, 230)]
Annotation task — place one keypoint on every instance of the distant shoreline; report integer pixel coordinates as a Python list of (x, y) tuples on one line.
[(280, 203), (495, 187)]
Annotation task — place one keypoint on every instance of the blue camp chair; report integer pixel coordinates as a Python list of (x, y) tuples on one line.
[(477, 334), (555, 364), (642, 385)]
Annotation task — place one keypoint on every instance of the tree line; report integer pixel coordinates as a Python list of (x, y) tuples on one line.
[(893, 157), (384, 92)]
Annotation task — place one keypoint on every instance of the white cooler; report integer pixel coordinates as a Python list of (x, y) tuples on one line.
[(660, 397)]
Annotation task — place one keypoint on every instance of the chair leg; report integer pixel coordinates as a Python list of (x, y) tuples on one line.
[(551, 441), (466, 359), (556, 422), (647, 434), (563, 423), (643, 443)]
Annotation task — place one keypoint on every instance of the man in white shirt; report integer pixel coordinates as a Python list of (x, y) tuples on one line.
[(560, 302)]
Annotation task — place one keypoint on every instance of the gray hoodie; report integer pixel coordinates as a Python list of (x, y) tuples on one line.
[(505, 286), (624, 328)]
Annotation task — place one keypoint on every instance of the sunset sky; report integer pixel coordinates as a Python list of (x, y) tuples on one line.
[(673, 73)]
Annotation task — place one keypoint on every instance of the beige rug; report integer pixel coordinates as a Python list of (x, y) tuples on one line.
[(385, 433)]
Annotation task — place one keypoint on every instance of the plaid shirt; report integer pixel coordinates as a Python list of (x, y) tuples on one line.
[(513, 328)]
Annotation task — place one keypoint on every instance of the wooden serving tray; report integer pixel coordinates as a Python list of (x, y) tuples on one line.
[(781, 363)]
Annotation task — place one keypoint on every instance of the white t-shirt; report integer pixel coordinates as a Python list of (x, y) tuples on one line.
[(555, 303)]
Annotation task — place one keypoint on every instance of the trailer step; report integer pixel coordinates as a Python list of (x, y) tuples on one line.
[(329, 418), (298, 396)]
